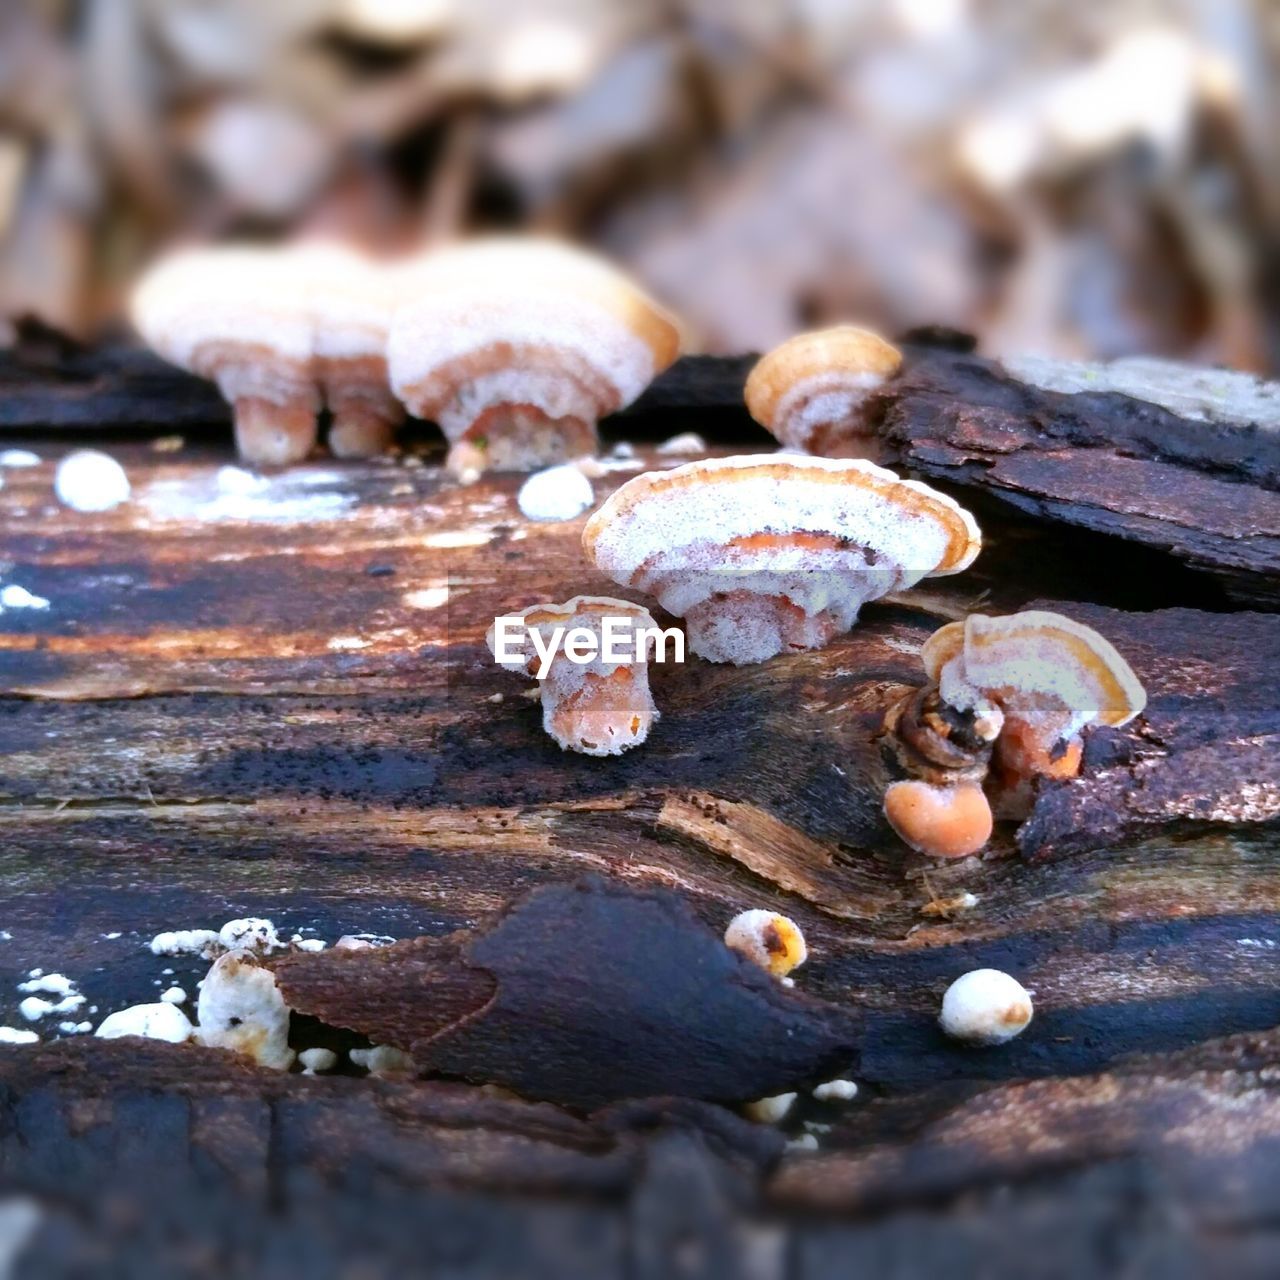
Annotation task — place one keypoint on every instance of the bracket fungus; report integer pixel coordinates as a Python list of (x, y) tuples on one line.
[(1037, 679), (350, 301), (595, 689), (281, 331), (515, 348), (765, 554), (814, 391)]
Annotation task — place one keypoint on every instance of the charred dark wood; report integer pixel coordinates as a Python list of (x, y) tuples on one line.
[(582, 995)]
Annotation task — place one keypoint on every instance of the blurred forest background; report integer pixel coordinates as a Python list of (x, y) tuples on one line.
[(1087, 178)]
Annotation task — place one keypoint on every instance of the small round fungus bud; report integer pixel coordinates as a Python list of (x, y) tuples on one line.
[(767, 939), (88, 480), (943, 822), (985, 1006)]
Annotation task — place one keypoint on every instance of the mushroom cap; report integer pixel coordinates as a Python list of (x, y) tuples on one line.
[(350, 299), (824, 535), (581, 611), (523, 321), (238, 315), (819, 380), (1035, 666)]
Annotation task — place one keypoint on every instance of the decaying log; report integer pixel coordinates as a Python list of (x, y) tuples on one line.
[(582, 994), (1163, 1163), (272, 698), (1206, 750), (1204, 490)]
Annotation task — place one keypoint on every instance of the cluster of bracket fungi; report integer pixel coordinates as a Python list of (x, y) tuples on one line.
[(516, 348)]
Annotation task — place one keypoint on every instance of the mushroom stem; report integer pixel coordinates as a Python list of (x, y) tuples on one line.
[(597, 714), (520, 437), (741, 627), (361, 429), (273, 435)]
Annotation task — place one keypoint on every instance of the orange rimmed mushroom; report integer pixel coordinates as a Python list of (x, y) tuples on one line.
[(1038, 678), (238, 316), (766, 554), (282, 331), (814, 392), (350, 300), (596, 705), (516, 347)]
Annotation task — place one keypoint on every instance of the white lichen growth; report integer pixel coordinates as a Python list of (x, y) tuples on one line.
[(182, 942), (36, 1006), (985, 1006), (16, 597), (317, 1060), (769, 1110), (383, 1060), (836, 1091)]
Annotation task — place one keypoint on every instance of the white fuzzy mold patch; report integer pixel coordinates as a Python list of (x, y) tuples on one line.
[(300, 495)]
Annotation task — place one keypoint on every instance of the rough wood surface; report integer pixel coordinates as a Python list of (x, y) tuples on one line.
[(274, 699), (1208, 493)]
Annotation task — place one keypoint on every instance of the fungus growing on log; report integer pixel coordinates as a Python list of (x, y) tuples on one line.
[(350, 301), (942, 821), (985, 1007), (1039, 678), (814, 391), (599, 705), (282, 331), (239, 317), (516, 347), (767, 939), (767, 554)]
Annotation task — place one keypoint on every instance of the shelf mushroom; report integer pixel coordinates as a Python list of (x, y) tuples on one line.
[(516, 347), (1036, 679), (766, 554), (597, 705), (239, 317), (350, 301), (282, 331), (814, 392)]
